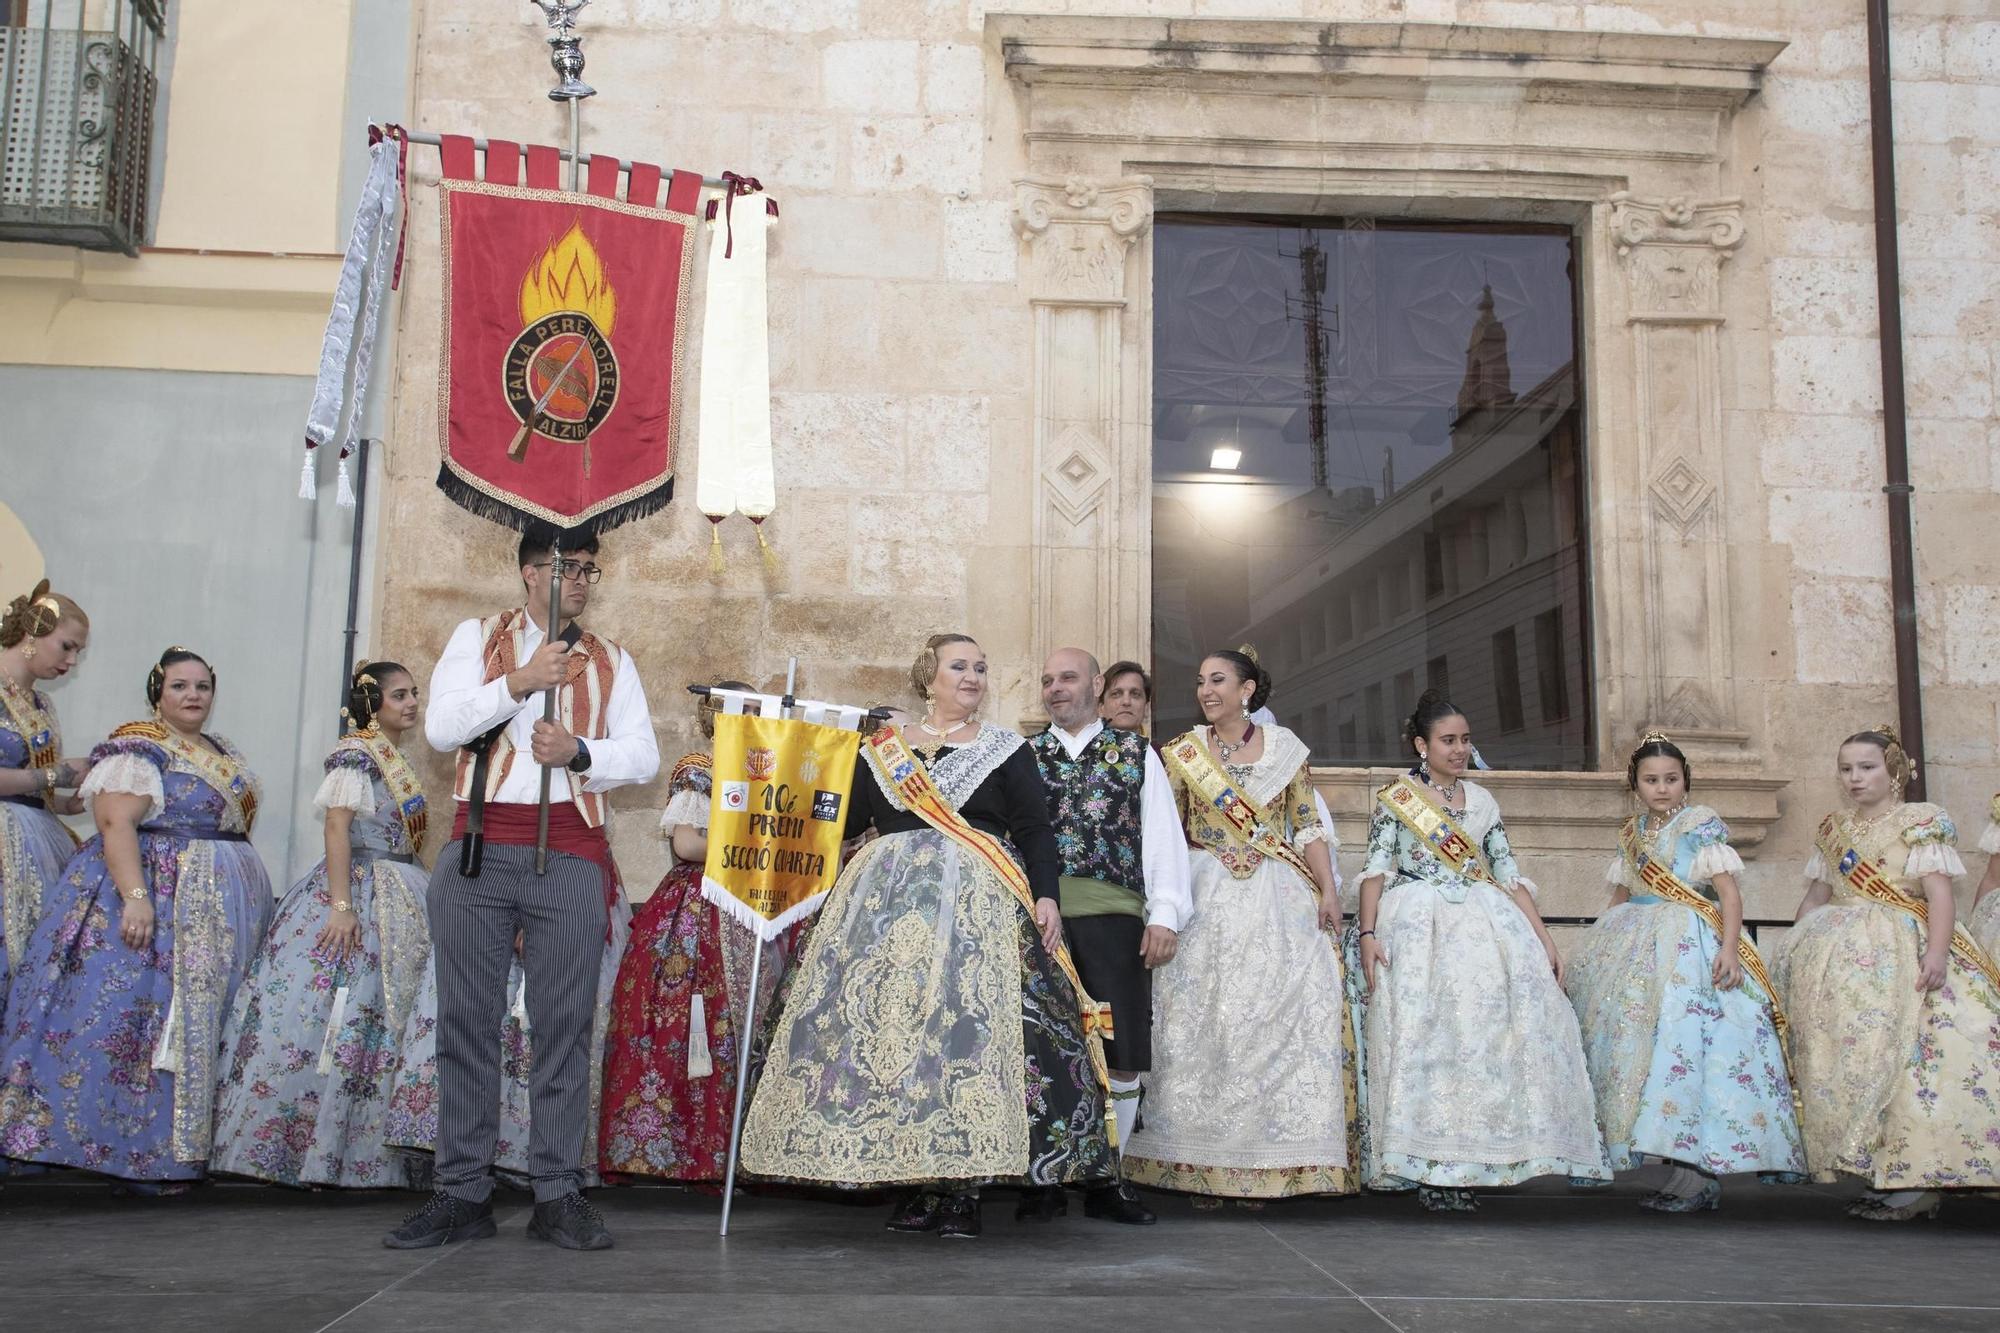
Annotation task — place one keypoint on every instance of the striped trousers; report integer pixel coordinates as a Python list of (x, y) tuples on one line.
[(473, 921)]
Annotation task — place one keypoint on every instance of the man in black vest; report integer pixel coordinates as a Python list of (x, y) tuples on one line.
[(1125, 890)]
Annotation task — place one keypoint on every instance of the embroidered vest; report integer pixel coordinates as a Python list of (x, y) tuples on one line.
[(1094, 805), (582, 702)]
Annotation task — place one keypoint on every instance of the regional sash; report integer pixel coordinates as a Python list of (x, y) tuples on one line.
[(1867, 879), (35, 725), (404, 786), (1439, 831), (1250, 824), (220, 768), (913, 784), (1661, 881)]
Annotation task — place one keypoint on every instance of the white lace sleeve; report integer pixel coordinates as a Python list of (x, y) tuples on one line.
[(1989, 841), (686, 809), (345, 789), (1523, 882), (126, 775), (1933, 858), (1618, 877), (1718, 858), (1816, 871)]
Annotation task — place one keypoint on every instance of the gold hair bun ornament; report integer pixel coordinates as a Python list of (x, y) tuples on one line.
[(1249, 650)]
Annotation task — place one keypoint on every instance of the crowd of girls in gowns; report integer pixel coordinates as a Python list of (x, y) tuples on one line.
[(115, 1015), (1680, 1026), (1894, 1010), (314, 1040), (671, 1058), (1252, 1090), (1475, 1075), (41, 635), (158, 1023)]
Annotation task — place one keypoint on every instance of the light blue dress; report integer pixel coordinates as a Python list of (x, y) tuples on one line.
[(1682, 1071)]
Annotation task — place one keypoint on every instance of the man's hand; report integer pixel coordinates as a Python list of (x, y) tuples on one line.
[(553, 745), (543, 671), (1158, 946)]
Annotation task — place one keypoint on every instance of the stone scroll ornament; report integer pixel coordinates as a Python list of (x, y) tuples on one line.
[(565, 334), (733, 468)]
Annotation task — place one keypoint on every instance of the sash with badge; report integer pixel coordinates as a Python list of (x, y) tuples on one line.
[(1436, 828), (1867, 879), (1247, 822)]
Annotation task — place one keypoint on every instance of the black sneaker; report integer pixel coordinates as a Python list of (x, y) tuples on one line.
[(571, 1223), (919, 1212), (1042, 1204), (441, 1220), (959, 1218), (1117, 1203)]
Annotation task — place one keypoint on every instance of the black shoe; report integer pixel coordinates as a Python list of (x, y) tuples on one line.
[(1045, 1204), (919, 1212), (440, 1221), (959, 1218), (571, 1223), (1117, 1203)]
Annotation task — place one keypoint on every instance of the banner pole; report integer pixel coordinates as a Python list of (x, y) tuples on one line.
[(747, 1034), (550, 634)]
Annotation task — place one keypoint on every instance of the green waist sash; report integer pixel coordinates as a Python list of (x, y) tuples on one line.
[(1097, 897)]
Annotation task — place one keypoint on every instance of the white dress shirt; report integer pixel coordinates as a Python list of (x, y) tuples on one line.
[(1163, 854), (464, 706)]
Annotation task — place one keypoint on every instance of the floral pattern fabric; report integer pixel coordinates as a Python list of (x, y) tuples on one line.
[(1252, 1091), (1475, 1069), (1094, 805), (1682, 1070), (674, 1045), (34, 848), (1899, 1087), (81, 1082), (313, 1042)]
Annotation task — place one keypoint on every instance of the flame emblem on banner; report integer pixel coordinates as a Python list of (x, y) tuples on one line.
[(569, 276)]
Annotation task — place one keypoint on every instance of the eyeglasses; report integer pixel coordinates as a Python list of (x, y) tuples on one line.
[(575, 573)]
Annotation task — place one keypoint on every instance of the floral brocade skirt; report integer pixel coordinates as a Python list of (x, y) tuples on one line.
[(927, 1037), (1682, 1070), (674, 1046), (313, 1042), (1899, 1087)]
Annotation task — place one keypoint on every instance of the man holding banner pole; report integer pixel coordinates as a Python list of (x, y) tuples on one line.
[(486, 703), (1125, 889)]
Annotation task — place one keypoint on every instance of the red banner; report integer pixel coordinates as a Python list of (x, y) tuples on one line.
[(565, 329)]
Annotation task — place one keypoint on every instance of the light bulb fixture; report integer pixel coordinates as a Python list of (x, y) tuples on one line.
[(1225, 459)]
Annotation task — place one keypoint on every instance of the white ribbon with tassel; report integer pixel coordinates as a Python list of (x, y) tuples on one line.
[(700, 1062), (331, 1042)]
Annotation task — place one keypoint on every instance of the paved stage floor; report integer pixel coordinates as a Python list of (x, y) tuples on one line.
[(239, 1257)]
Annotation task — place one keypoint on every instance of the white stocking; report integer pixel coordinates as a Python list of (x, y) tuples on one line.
[(1125, 1105)]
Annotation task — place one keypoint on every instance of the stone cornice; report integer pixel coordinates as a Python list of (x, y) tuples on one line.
[(1547, 64)]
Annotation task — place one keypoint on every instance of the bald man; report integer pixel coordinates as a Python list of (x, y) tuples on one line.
[(1125, 889)]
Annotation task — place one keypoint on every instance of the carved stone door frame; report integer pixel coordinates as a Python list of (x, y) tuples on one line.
[(1627, 138)]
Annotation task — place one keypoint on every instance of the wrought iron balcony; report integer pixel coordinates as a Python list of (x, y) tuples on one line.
[(78, 88)]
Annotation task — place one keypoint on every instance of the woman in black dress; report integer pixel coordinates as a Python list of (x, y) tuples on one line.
[(934, 1037)]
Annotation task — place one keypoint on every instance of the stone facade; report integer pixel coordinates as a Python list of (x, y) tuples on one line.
[(961, 323)]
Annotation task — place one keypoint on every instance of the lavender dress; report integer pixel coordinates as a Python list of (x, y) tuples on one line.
[(111, 1054), (34, 844), (312, 1044)]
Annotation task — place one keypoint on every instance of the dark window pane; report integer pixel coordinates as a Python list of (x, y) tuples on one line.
[(1507, 681), (1551, 654), (1367, 460)]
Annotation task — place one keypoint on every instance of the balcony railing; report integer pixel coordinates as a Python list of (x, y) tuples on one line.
[(78, 88)]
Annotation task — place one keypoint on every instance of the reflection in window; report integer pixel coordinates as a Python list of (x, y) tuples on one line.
[(1367, 462)]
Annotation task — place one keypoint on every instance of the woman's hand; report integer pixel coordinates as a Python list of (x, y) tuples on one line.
[(1329, 910), (1555, 956), (340, 938), (1048, 917), (1373, 955), (72, 772), (1727, 974), (71, 804), (135, 920), (1931, 974)]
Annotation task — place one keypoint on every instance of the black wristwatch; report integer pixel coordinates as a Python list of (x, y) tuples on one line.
[(580, 762)]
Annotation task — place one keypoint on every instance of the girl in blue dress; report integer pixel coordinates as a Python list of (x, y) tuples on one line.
[(1679, 1025), (314, 1040), (41, 636), (114, 1022)]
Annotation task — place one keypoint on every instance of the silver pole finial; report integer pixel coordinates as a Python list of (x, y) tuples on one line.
[(565, 49)]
